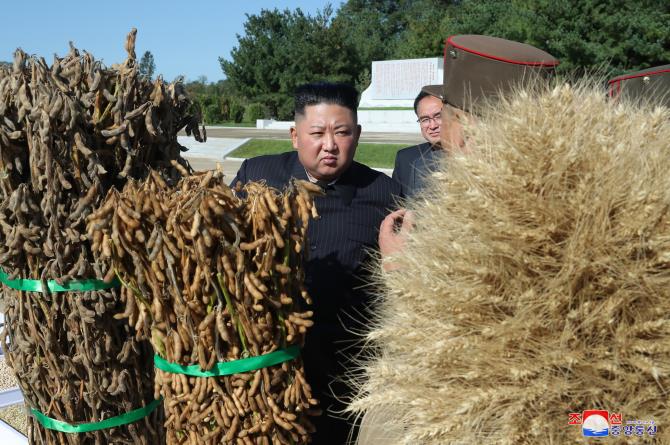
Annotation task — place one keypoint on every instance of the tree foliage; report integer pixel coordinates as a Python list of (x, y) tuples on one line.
[(147, 65), (282, 49), (610, 36), (253, 111)]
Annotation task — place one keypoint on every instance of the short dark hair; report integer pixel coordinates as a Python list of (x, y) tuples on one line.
[(418, 99), (325, 92)]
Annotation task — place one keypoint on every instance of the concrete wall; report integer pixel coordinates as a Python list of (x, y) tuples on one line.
[(400, 121), (272, 124)]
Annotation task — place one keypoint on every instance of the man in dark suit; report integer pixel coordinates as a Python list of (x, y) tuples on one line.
[(357, 199), (412, 164)]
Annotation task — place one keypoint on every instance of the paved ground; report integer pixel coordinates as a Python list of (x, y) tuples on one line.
[(242, 133), (229, 167), (15, 415), (217, 147)]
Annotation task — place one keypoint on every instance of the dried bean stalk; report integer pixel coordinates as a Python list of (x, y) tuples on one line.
[(75, 362), (68, 133), (212, 277)]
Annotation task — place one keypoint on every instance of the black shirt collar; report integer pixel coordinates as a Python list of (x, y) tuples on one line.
[(345, 185)]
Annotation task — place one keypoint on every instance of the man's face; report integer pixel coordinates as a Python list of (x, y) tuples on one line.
[(326, 137), (428, 110)]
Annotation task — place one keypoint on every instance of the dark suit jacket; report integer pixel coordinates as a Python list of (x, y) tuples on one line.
[(339, 242), (412, 165), (350, 215)]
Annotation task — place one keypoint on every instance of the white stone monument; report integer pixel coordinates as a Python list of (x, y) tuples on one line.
[(387, 104), (395, 83)]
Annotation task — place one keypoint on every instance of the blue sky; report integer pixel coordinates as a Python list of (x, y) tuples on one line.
[(185, 37)]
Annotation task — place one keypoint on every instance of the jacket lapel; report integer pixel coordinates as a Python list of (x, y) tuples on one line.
[(297, 170), (346, 186), (424, 165)]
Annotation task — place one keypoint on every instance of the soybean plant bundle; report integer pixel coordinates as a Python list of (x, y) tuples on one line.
[(214, 279), (68, 132)]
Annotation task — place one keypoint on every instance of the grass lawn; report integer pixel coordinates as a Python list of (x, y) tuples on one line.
[(373, 155)]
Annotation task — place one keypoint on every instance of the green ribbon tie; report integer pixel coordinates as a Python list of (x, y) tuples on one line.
[(232, 367), (70, 286), (112, 422)]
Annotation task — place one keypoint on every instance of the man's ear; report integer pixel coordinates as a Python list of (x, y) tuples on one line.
[(294, 137), (359, 129)]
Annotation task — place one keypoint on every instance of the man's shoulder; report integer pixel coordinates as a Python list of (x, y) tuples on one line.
[(275, 170), (260, 167), (275, 160), (373, 179), (409, 153)]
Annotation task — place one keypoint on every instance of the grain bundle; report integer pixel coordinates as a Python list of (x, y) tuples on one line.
[(536, 283), (68, 133), (216, 282)]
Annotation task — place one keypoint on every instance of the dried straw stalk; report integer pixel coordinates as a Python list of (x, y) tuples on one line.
[(536, 283)]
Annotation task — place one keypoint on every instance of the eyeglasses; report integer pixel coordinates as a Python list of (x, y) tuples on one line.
[(424, 121)]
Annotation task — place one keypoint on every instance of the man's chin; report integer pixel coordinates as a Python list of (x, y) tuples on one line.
[(330, 173)]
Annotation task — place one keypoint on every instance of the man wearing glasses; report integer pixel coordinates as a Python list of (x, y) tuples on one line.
[(413, 164)]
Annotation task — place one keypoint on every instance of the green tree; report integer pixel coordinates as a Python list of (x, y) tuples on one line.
[(424, 32), (224, 103), (372, 27), (608, 36), (614, 34), (253, 111), (283, 49), (236, 110), (212, 113), (394, 29), (364, 80), (147, 65), (213, 99)]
